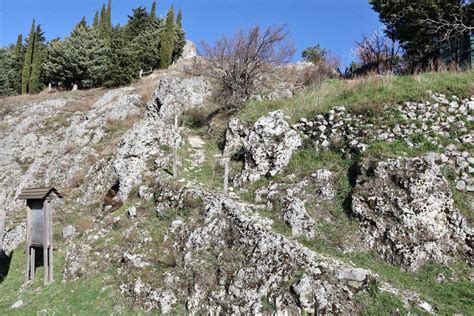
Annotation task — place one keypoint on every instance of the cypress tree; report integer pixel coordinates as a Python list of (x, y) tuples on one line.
[(180, 39), (19, 45), (35, 84), (95, 24), (102, 22), (18, 63), (109, 16), (26, 72), (153, 10), (167, 40)]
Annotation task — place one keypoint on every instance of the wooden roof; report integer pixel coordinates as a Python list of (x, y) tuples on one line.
[(38, 193)]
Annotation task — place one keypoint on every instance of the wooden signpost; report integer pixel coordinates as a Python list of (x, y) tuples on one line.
[(39, 229)]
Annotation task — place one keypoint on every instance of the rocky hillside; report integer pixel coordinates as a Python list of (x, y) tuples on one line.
[(333, 207)]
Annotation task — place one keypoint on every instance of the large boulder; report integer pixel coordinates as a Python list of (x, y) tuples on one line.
[(177, 95), (267, 146), (189, 50), (407, 213)]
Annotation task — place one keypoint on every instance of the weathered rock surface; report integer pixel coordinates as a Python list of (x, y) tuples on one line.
[(177, 95), (140, 146), (252, 264), (267, 146), (317, 188), (61, 142), (189, 50), (407, 214)]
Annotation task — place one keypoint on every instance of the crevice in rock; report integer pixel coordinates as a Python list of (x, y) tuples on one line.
[(111, 201)]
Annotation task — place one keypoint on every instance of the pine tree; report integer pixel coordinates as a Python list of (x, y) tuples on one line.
[(95, 24), (80, 59), (180, 39), (137, 22), (26, 72), (8, 73), (167, 40), (153, 10), (121, 65)]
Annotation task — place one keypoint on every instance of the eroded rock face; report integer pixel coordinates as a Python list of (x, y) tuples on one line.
[(177, 95), (294, 213), (140, 146), (59, 142), (407, 212), (249, 264), (317, 188), (267, 146)]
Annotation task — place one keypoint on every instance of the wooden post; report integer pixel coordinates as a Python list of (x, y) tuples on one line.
[(32, 262), (49, 87), (140, 74), (27, 242), (226, 174), (175, 148), (50, 233), (45, 242)]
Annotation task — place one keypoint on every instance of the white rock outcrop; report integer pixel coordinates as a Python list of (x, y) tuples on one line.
[(177, 95), (407, 214), (267, 146)]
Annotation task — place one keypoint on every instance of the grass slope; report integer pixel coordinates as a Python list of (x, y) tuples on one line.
[(364, 95)]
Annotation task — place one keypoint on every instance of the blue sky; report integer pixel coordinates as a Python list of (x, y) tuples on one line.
[(333, 24)]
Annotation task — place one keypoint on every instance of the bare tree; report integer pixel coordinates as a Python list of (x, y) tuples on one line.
[(379, 53), (239, 62), (454, 23)]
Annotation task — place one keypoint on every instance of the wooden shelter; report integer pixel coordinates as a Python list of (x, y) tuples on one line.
[(39, 229)]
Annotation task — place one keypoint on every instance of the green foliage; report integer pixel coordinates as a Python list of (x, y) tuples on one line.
[(168, 36), (8, 72), (153, 9), (95, 24), (180, 39), (33, 61), (420, 40), (315, 54), (88, 57), (121, 67), (382, 304), (143, 34), (35, 84), (80, 59), (26, 74)]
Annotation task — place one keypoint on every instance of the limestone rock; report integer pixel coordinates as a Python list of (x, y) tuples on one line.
[(189, 50), (68, 231), (177, 95), (268, 147), (407, 214), (294, 213)]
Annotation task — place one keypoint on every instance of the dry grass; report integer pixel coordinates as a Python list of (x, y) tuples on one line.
[(78, 179), (84, 223), (364, 95), (114, 126)]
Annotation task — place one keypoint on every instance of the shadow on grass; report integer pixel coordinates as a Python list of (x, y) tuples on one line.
[(4, 265)]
